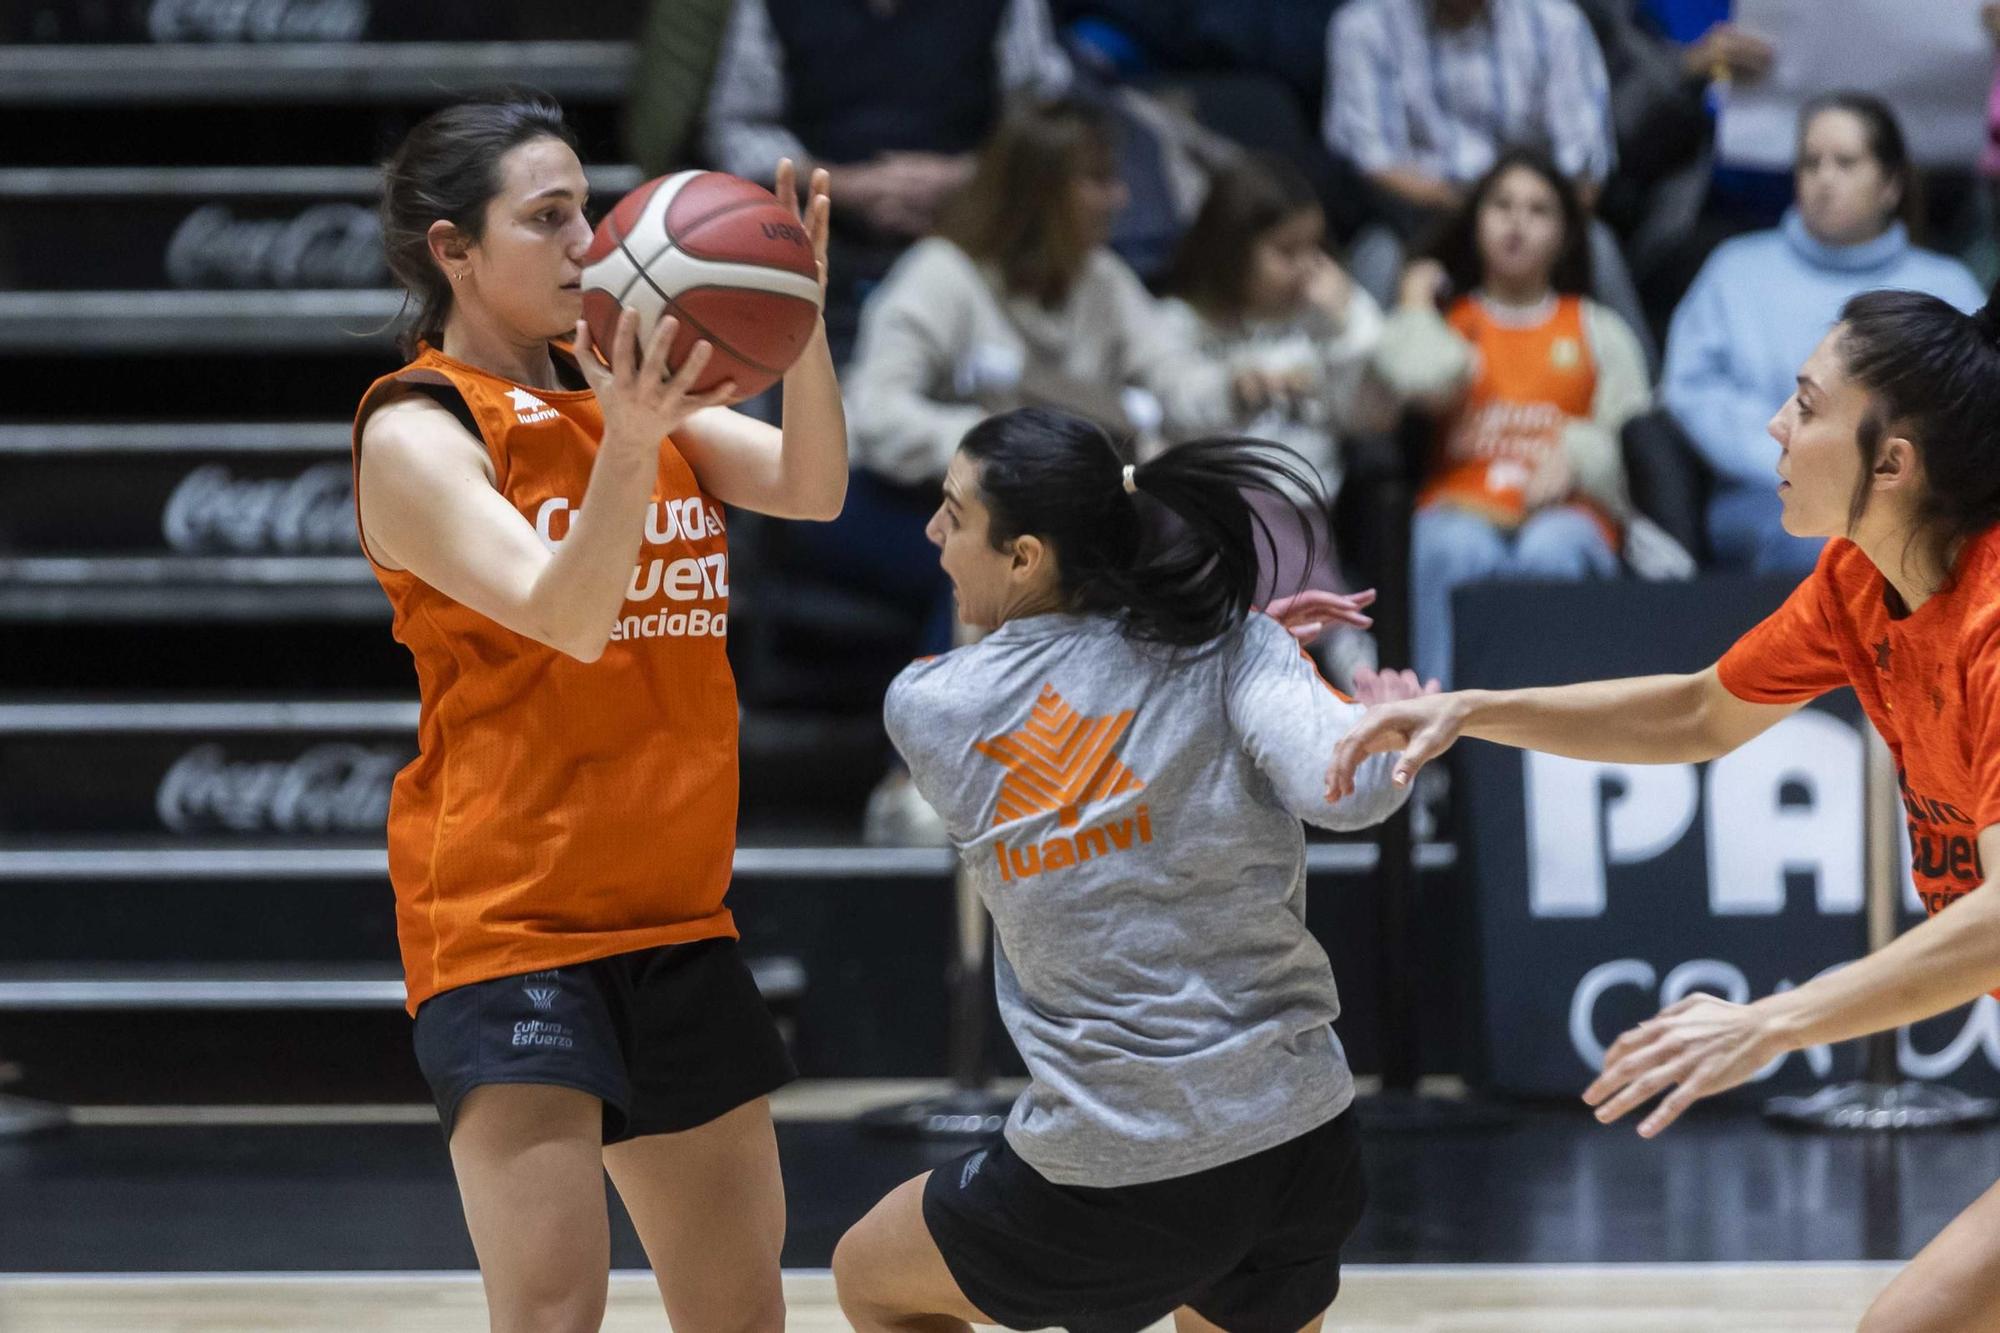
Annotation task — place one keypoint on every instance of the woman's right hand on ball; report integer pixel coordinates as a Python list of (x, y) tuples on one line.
[(642, 402)]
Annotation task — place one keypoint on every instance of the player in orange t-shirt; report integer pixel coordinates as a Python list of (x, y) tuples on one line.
[(548, 529), (1889, 448)]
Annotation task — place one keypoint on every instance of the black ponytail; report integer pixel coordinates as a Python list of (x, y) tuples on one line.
[(1932, 373), (1176, 558)]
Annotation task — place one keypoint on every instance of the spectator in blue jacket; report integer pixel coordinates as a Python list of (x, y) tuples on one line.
[(1763, 301)]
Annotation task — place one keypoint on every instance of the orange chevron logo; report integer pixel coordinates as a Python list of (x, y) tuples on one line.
[(1059, 760)]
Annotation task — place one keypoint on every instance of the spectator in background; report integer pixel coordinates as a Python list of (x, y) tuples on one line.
[(1254, 70), (1667, 199), (1254, 293), (1425, 95), (1017, 301), (892, 95), (1530, 381), (1763, 301)]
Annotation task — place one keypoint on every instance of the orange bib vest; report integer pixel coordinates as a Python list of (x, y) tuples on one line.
[(1530, 383), (559, 810)]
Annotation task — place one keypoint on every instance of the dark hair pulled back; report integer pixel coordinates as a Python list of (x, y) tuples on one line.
[(1183, 577), (448, 166), (1932, 373), (1211, 267)]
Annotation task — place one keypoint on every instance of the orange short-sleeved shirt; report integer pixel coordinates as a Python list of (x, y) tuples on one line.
[(558, 810), (1532, 380), (1928, 680)]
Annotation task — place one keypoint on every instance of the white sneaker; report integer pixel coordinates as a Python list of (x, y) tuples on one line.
[(898, 816)]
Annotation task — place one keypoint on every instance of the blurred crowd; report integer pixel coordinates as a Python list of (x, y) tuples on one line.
[(1478, 252)]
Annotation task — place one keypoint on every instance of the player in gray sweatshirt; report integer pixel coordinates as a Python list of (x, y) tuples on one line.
[(1123, 764)]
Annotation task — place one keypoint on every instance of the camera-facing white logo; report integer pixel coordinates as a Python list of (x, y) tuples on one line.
[(213, 509), (336, 787)]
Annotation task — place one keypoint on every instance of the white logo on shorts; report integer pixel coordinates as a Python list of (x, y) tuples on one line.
[(971, 1168), (543, 997)]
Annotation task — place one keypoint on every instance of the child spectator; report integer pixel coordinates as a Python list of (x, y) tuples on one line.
[(1530, 382)]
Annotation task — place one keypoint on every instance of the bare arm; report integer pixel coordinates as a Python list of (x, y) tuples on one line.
[(1703, 1045), (430, 503), (799, 470), (1639, 720)]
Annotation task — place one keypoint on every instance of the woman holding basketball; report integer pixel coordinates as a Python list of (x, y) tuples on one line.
[(546, 520), (1123, 764), (1888, 447)]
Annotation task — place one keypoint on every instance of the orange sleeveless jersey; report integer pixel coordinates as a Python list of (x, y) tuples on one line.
[(1929, 681), (1530, 383), (560, 811)]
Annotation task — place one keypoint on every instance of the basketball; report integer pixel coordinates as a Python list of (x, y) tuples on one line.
[(720, 254)]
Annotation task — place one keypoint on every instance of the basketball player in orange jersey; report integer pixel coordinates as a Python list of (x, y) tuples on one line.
[(1889, 447), (548, 529)]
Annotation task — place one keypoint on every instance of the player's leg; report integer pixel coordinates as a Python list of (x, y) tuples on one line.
[(890, 1275), (709, 1206), (697, 1160), (527, 1157), (1953, 1285)]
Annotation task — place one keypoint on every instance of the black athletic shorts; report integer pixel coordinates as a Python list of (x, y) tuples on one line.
[(668, 1038), (1252, 1245)]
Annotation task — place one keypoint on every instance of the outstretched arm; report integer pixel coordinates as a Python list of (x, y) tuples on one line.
[(1287, 719), (1639, 720), (1703, 1045)]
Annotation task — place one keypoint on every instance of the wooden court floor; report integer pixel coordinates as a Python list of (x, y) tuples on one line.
[(1471, 1298)]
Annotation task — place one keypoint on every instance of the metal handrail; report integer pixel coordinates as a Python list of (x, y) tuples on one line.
[(279, 715), (361, 321), (164, 437), (277, 72), (43, 184), (333, 862)]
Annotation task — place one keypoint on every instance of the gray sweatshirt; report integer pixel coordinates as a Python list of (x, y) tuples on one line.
[(1130, 815)]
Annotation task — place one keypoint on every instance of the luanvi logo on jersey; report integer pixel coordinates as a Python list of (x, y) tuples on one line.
[(213, 509), (529, 409), (331, 788), (1057, 762)]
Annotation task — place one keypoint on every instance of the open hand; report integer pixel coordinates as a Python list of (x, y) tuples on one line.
[(1697, 1047), (1307, 614), (1388, 687), (1422, 728), (818, 209), (640, 400)]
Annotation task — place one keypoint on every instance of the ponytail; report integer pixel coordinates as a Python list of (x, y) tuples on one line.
[(1172, 548)]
